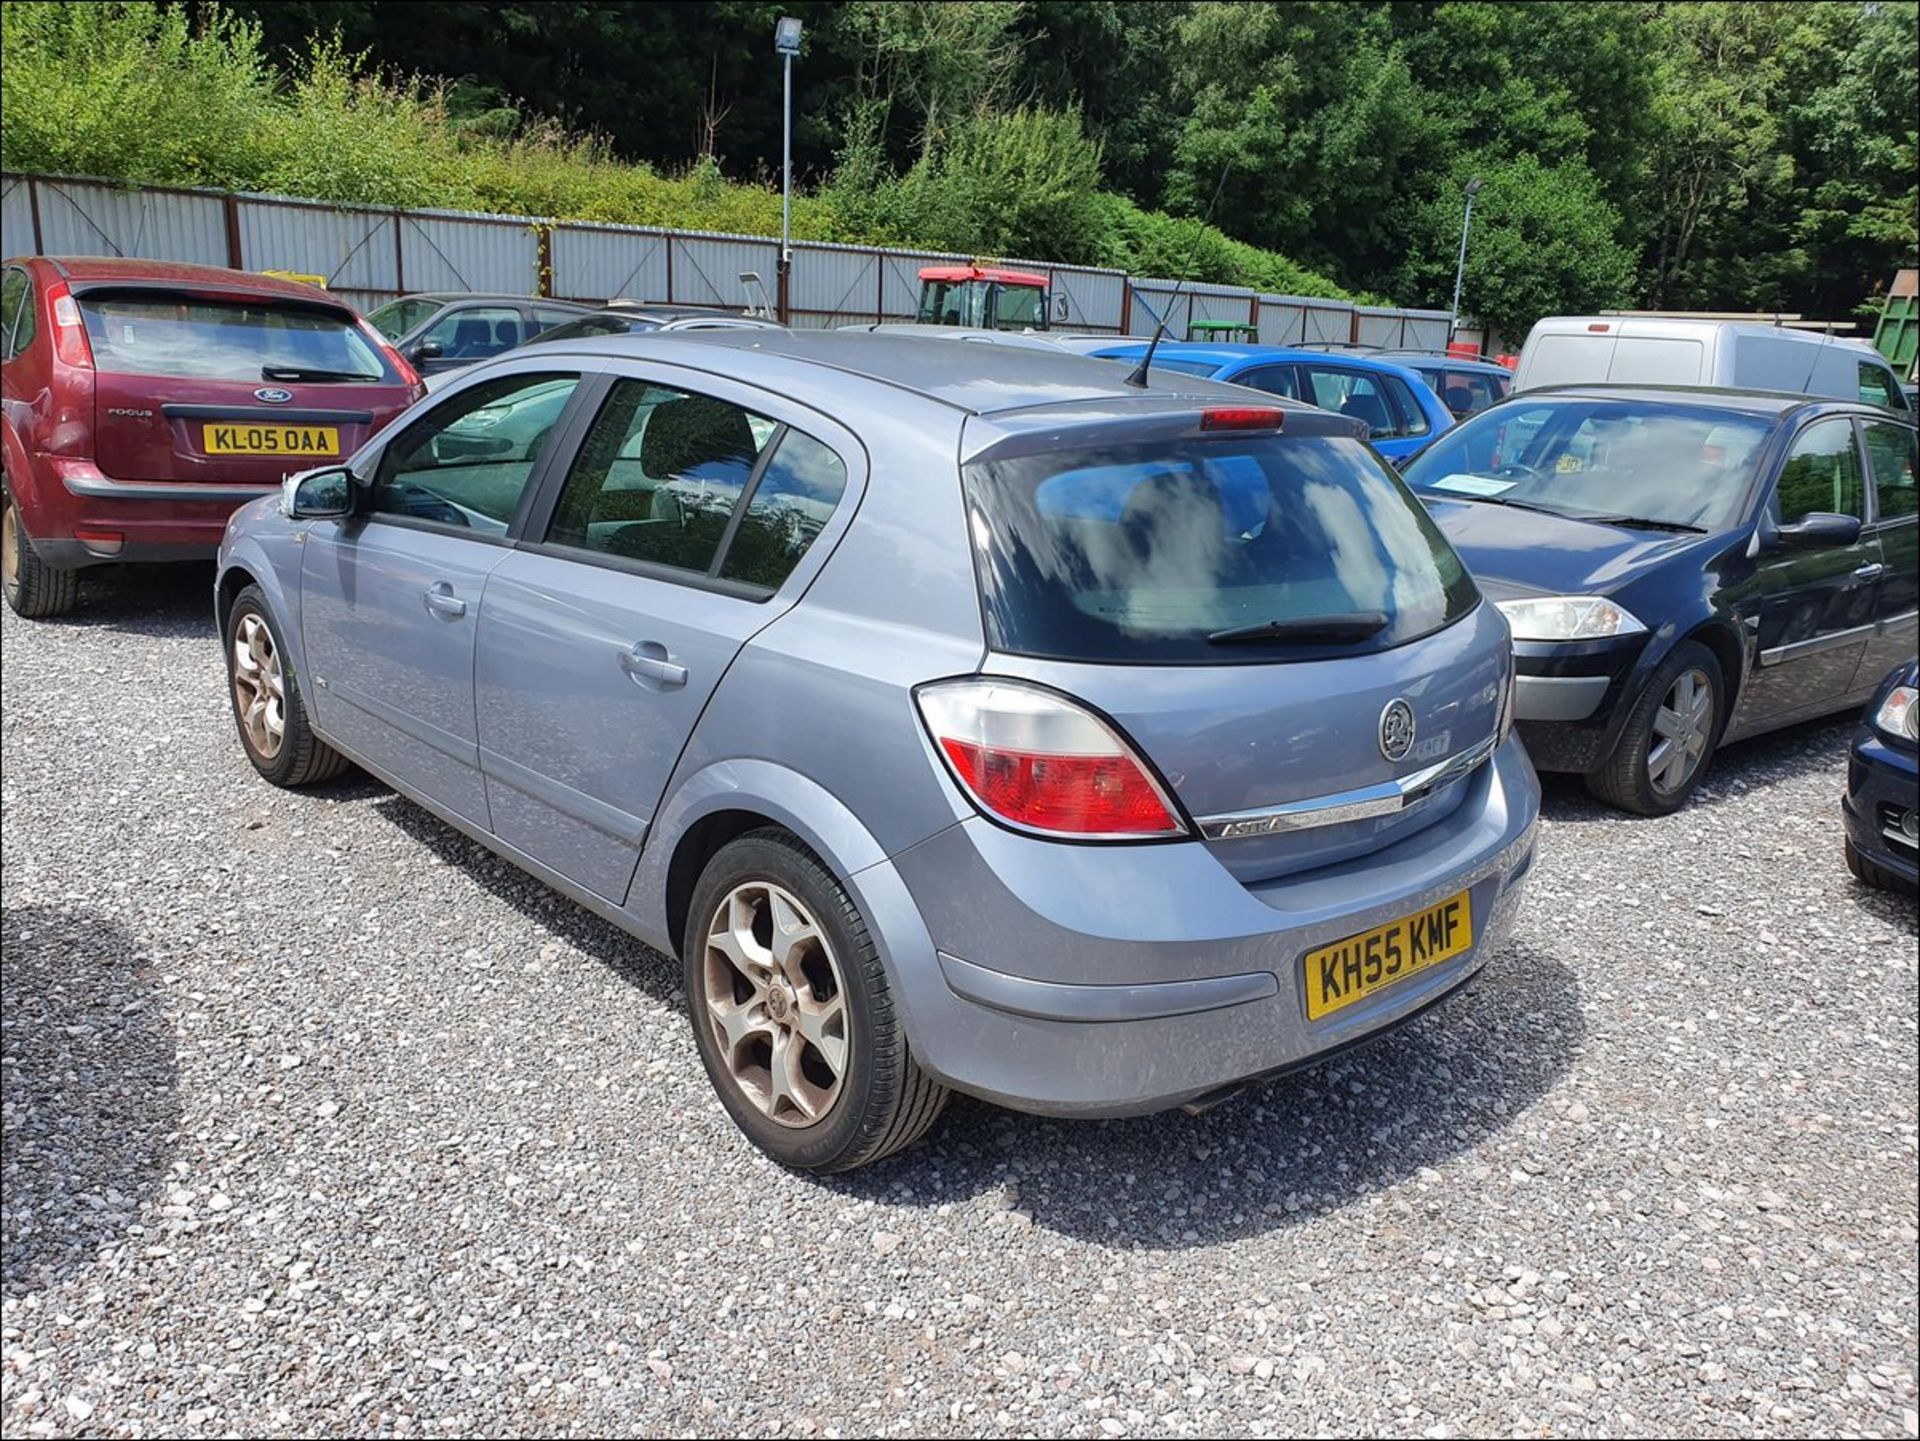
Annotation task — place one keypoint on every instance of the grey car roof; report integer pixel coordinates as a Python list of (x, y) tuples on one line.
[(977, 379)]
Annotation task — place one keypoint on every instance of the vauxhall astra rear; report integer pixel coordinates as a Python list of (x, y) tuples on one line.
[(963, 717)]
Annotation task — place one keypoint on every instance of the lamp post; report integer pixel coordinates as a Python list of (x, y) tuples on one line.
[(1460, 269), (786, 43)]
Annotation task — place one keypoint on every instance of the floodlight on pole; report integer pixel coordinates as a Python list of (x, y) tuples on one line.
[(1460, 268), (786, 44)]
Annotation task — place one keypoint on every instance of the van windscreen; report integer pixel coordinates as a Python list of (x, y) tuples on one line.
[(1150, 553)]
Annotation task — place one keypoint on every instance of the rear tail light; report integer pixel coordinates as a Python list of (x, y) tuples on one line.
[(1033, 759), (416, 387), (1242, 417), (70, 343), (1599, 329)]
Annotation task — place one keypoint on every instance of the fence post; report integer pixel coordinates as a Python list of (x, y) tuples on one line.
[(1126, 305), (543, 262), (879, 288), (668, 242), (235, 257), (33, 207), (399, 257)]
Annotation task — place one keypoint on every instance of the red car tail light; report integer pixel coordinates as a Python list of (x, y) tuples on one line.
[(1040, 762), (1245, 417), (70, 343)]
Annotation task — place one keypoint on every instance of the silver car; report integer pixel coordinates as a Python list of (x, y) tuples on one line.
[(964, 717)]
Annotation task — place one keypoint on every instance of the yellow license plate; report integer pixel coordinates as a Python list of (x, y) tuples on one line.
[(271, 440), (1359, 966)]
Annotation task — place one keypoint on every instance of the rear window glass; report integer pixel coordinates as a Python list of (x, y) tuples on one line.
[(1140, 553), (209, 340)]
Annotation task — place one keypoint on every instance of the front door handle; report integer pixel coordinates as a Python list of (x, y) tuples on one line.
[(650, 665), (443, 602), (1872, 570)]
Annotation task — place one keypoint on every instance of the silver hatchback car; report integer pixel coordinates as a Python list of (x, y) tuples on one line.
[(964, 717)]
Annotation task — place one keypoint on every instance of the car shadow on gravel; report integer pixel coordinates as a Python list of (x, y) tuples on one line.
[(1312, 1142), (633, 961), (92, 1096), (151, 600), (1736, 772)]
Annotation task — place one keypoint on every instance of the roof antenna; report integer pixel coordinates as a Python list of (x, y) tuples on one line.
[(1139, 376)]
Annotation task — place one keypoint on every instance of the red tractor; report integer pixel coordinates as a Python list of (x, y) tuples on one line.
[(987, 297)]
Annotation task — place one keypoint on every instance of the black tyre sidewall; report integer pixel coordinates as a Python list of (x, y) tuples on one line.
[(1624, 781), (41, 590), (253, 601), (825, 1145)]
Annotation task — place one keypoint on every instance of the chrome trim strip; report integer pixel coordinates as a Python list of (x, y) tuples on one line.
[(1813, 646), (1363, 803), (162, 490)]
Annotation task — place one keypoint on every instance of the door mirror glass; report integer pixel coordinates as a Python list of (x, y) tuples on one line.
[(1819, 529), (317, 494), (425, 350)]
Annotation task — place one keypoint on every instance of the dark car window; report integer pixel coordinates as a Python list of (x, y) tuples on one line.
[(1413, 417), (586, 327), (793, 501), (1891, 452), (1465, 392), (474, 333), (1141, 552), (151, 333), (16, 311), (397, 317), (545, 318), (1274, 379), (659, 476), (1878, 387), (466, 462), (1669, 464), (1821, 474), (1360, 395)]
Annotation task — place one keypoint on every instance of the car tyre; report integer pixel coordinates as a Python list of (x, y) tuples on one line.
[(34, 589), (792, 1013), (1668, 740), (1871, 873), (268, 709)]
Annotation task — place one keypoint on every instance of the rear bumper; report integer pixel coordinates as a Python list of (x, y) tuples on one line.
[(101, 488), (1883, 790), (80, 517), (1121, 980)]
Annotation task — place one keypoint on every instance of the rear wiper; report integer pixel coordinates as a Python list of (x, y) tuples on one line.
[(1316, 630), (1639, 522), (301, 372)]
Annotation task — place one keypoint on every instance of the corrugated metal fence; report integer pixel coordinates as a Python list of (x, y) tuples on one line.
[(369, 256)]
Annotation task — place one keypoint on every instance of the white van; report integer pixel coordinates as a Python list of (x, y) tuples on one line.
[(1742, 355)]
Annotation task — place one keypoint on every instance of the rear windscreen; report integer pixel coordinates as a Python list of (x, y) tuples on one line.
[(151, 334), (1140, 553)]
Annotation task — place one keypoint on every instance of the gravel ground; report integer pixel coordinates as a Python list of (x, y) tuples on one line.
[(319, 1120)]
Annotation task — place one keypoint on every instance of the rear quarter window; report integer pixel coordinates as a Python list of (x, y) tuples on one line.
[(1139, 553)]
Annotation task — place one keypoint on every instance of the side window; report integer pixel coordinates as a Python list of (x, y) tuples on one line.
[(1413, 420), (1891, 450), (545, 319), (659, 477), (475, 333), (16, 311), (795, 498), (1822, 473), (466, 462), (1349, 392), (1274, 379), (1877, 387)]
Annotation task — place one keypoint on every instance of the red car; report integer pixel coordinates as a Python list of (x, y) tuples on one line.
[(144, 401)]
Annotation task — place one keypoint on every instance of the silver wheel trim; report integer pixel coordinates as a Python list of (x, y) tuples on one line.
[(259, 694), (10, 548), (775, 1003), (1682, 728)]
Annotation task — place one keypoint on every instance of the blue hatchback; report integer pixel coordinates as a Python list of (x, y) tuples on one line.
[(1402, 413)]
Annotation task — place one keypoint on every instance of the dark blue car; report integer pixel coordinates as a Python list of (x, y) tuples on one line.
[(1681, 567), (1883, 786), (1401, 412)]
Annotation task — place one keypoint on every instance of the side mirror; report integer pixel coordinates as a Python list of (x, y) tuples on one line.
[(425, 350), (325, 494), (1820, 529)]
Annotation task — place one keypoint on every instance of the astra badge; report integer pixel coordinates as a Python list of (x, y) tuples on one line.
[(1396, 730)]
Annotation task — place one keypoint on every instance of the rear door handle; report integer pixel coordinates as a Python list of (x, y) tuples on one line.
[(1872, 570), (649, 664), (443, 602)]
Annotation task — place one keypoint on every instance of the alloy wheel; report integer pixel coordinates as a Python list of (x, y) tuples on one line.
[(259, 695), (776, 1004), (10, 549), (1681, 729)]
